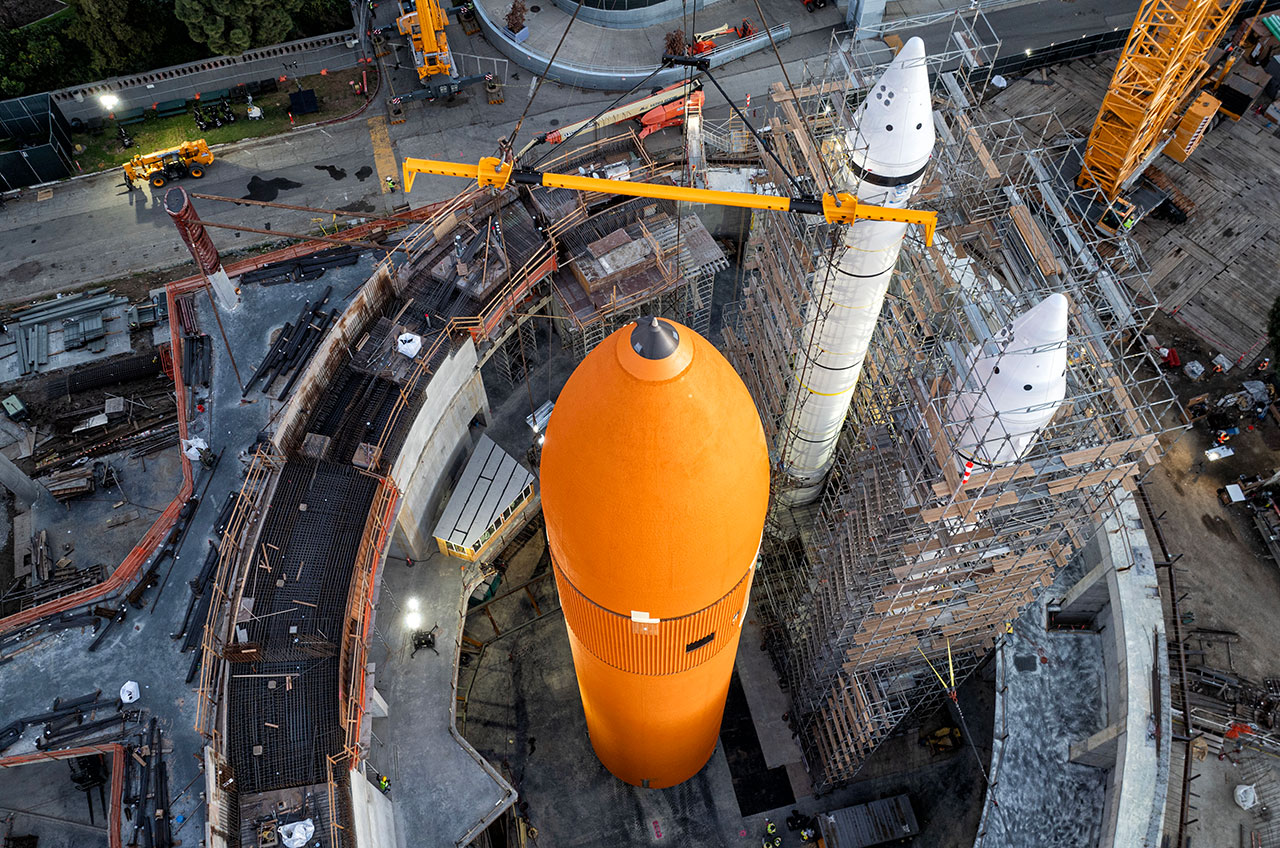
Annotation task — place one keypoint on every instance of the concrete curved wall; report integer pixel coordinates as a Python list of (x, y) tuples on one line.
[(664, 10), (611, 79)]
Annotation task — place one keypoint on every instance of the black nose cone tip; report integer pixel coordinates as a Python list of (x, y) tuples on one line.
[(654, 339)]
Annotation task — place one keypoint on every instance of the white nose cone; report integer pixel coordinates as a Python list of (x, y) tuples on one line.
[(1015, 384), (894, 138)]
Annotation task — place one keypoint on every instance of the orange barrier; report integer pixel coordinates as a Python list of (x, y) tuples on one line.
[(360, 608), (116, 751)]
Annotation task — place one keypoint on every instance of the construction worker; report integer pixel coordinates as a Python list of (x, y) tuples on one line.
[(1264, 364), (384, 784), (391, 185)]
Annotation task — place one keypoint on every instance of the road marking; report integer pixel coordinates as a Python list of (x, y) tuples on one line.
[(532, 84), (384, 158)]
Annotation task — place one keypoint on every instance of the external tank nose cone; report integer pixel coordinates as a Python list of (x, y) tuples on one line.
[(654, 339), (894, 136)]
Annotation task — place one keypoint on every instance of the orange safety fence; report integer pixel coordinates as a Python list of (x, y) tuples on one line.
[(146, 546), (306, 248), (116, 751), (360, 612)]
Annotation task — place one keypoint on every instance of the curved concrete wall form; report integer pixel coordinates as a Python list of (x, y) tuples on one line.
[(335, 51), (1112, 660), (613, 79), (637, 18)]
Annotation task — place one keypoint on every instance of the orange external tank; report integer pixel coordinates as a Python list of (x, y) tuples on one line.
[(655, 484)]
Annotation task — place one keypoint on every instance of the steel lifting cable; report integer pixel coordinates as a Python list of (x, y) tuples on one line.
[(510, 144), (831, 187)]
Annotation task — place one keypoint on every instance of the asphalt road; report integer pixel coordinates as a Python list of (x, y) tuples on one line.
[(91, 229)]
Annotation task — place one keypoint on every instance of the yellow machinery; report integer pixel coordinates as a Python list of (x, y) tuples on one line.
[(1192, 127), (186, 160), (425, 27), (1163, 62), (837, 208)]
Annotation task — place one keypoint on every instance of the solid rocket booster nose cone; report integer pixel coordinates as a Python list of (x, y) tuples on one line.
[(1046, 320), (894, 134), (1016, 391), (654, 339), (911, 53)]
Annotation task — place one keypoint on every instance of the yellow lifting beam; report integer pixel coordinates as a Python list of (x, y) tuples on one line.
[(838, 208)]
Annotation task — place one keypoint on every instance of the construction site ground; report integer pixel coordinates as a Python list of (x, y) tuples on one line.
[(141, 648), (39, 798), (1214, 280)]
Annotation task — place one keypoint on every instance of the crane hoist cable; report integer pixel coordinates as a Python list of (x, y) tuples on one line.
[(703, 64), (835, 208), (509, 145)]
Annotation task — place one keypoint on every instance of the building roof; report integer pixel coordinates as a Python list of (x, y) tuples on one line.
[(490, 483)]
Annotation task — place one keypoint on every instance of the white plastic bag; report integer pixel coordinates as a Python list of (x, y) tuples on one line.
[(409, 344), (296, 834), (1246, 796), (130, 692), (192, 447)]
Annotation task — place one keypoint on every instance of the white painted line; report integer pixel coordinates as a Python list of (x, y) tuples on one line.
[(532, 84)]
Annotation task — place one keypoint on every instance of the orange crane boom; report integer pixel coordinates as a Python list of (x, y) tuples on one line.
[(1163, 61)]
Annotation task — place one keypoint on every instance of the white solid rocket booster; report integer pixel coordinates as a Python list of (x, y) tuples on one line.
[(885, 160), (1014, 386)]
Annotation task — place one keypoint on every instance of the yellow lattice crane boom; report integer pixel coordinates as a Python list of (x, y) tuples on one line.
[(1162, 63), (836, 208), (425, 26)]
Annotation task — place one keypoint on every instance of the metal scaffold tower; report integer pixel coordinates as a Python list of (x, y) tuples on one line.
[(912, 562), (621, 260)]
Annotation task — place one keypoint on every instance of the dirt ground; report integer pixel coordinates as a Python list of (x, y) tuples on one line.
[(1229, 579)]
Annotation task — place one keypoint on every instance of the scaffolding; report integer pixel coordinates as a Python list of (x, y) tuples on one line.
[(886, 594), (672, 258)]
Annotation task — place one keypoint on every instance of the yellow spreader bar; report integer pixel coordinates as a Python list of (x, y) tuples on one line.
[(839, 208)]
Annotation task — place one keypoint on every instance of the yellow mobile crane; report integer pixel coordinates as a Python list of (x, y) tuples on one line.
[(425, 27), (1162, 65), (835, 208)]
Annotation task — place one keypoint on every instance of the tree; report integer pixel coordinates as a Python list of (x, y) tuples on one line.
[(109, 31), (515, 17), (233, 26), (675, 43)]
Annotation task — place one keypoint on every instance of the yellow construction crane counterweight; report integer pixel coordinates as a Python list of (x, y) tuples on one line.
[(837, 208)]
